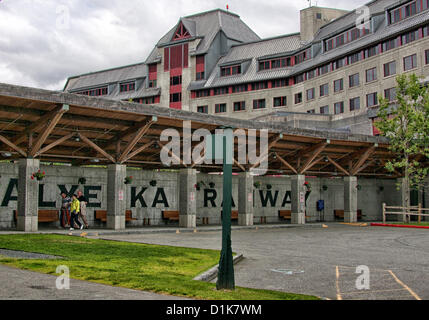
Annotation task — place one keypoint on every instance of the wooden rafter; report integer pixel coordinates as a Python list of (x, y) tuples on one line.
[(266, 155), (139, 134), (365, 155), (171, 154), (287, 164), (96, 148), (54, 144), (137, 151), (309, 163), (13, 146), (336, 165)]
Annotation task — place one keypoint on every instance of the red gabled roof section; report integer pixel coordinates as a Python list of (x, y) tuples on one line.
[(181, 33)]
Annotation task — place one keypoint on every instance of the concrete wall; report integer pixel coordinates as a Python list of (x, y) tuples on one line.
[(147, 202)]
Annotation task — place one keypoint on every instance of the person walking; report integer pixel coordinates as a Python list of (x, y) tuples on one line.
[(83, 202), (65, 210), (75, 209)]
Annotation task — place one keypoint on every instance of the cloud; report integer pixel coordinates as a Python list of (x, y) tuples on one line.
[(42, 42)]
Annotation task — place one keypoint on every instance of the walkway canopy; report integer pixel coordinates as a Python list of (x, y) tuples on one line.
[(67, 128)]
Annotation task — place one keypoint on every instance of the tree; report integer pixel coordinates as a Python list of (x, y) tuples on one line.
[(406, 125)]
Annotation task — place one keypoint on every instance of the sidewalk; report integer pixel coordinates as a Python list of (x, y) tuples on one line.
[(26, 285), (154, 230)]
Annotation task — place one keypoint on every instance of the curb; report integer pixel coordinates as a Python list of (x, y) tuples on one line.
[(397, 226), (211, 274)]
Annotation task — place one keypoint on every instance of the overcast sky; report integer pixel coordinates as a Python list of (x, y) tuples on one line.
[(42, 42)]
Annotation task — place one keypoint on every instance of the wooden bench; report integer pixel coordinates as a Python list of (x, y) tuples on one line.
[(234, 215), (44, 215), (339, 214), (287, 214), (170, 215), (101, 215)]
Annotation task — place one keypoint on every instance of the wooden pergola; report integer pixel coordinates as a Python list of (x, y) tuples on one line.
[(59, 127)]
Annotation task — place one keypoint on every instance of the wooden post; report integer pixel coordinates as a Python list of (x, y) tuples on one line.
[(384, 213), (420, 213)]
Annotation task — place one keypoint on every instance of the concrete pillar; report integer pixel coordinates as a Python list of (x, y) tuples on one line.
[(28, 196), (187, 198), (350, 199), (245, 199), (116, 197), (298, 199)]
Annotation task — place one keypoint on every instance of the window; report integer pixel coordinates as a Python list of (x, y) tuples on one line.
[(230, 71), (279, 83), (220, 108), (94, 92), (239, 106), (390, 69), (425, 31), (371, 75), (202, 93), (175, 97), (371, 99), (298, 98), (338, 85), (311, 94), (339, 107), (324, 90), (220, 91), (390, 94), (312, 111), (390, 44), (152, 84), (354, 80), (324, 110), (345, 37), (259, 85), (129, 86), (410, 62), (259, 104), (311, 74), (370, 52), (318, 16), (299, 78), (175, 81), (427, 56), (410, 37), (323, 70), (339, 64), (280, 102), (203, 109), (239, 88), (407, 10), (200, 76), (355, 104), (355, 57)]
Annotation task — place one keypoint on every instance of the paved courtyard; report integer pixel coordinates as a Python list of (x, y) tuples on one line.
[(318, 261)]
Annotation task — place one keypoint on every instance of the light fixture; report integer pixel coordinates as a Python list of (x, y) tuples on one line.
[(95, 160), (6, 154)]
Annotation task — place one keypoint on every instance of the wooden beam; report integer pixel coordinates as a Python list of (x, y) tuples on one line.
[(96, 148), (368, 152), (137, 151), (266, 155), (40, 123), (239, 165), (364, 167), (287, 164), (51, 124), (54, 144), (13, 146), (336, 165), (139, 134), (317, 151), (311, 149)]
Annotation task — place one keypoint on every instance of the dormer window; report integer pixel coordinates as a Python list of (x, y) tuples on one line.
[(274, 63), (230, 70), (128, 86), (345, 38), (408, 10)]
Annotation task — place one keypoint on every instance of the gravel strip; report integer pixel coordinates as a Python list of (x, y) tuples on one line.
[(26, 255)]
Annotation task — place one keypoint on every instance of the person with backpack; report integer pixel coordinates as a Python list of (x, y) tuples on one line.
[(65, 210), (75, 209)]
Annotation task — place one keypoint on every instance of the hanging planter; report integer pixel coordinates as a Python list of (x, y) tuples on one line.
[(39, 175), (359, 187), (257, 184), (269, 186), (308, 186), (199, 185), (212, 185), (153, 183), (82, 180), (325, 188), (128, 180)]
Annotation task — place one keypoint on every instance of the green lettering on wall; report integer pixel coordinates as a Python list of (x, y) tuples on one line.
[(287, 199), (63, 189), (210, 195), (268, 197), (42, 203), (89, 195)]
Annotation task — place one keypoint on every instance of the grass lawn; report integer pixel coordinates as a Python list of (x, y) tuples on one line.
[(159, 269)]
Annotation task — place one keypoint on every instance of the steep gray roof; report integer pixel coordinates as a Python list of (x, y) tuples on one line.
[(120, 74), (208, 24)]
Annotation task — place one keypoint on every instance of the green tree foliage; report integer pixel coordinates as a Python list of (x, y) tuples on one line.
[(406, 124)]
